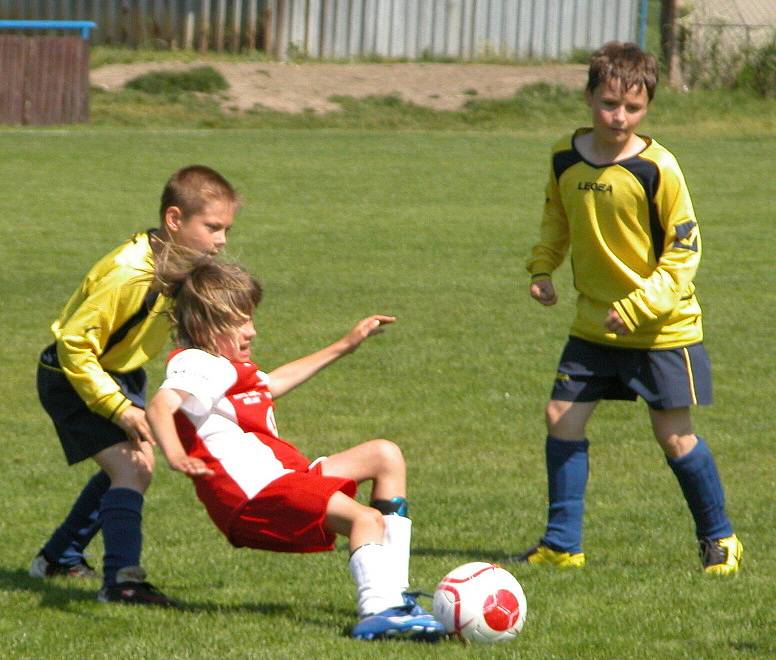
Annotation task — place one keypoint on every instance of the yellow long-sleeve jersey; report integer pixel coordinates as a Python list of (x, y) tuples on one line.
[(112, 323), (635, 245)]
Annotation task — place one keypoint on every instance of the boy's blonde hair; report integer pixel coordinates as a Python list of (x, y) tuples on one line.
[(192, 187), (211, 296), (623, 62)]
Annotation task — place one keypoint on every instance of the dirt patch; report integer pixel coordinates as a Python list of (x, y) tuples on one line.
[(298, 87)]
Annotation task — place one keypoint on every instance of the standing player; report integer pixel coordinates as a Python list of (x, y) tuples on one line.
[(619, 201), (92, 384), (213, 419)]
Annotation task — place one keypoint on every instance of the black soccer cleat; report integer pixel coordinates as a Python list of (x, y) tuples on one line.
[(132, 589), (43, 568)]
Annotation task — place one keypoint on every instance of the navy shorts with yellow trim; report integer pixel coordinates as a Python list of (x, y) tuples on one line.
[(82, 432), (665, 378)]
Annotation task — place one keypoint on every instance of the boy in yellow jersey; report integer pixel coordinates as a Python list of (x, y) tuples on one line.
[(92, 384), (619, 202)]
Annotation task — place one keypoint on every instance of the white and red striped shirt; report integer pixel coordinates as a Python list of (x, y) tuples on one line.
[(228, 422)]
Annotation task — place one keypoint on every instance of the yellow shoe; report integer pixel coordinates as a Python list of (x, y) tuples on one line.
[(542, 554), (721, 556)]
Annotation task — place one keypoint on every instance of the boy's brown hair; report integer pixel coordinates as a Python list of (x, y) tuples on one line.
[(212, 296), (192, 187), (623, 62)]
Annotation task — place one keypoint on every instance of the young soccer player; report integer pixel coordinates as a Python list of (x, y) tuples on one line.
[(92, 384), (213, 419), (619, 201)]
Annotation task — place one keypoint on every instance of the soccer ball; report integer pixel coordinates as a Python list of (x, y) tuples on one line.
[(480, 602)]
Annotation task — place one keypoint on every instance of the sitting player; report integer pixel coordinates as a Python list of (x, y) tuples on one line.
[(213, 419)]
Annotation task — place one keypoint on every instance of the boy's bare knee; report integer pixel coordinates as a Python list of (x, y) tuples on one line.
[(138, 471), (371, 519), (389, 454), (566, 420), (144, 476), (553, 414), (677, 445), (390, 460)]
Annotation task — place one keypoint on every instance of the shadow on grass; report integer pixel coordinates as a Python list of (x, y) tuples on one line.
[(476, 554), (272, 609), (55, 592), (63, 593)]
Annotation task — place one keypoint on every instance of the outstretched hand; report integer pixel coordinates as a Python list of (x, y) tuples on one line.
[(544, 292), (365, 328)]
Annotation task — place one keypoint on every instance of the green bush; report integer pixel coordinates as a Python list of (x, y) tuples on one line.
[(759, 73), (200, 79)]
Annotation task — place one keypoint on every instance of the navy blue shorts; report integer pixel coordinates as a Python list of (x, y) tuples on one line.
[(82, 432), (665, 378)]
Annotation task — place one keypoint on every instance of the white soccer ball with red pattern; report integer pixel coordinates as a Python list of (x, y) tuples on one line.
[(480, 602)]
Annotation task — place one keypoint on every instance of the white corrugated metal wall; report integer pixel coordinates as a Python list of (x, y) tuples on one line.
[(333, 29), (459, 29)]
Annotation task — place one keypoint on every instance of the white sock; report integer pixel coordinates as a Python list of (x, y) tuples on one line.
[(397, 536), (376, 588)]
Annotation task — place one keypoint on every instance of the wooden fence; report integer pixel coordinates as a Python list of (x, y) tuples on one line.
[(344, 29), (220, 25), (45, 80)]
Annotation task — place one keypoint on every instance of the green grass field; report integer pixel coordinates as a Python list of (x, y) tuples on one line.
[(433, 227)]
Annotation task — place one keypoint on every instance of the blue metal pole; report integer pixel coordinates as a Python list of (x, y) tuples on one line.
[(84, 27), (643, 13)]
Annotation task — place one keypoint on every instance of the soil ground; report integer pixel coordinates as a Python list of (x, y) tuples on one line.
[(298, 87)]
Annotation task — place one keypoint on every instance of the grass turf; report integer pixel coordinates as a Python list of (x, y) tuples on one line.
[(432, 227)]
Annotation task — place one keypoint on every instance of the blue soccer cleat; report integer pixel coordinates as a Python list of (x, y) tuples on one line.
[(411, 601), (409, 621)]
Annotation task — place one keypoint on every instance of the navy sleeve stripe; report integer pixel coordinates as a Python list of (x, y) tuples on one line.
[(649, 176), (132, 321)]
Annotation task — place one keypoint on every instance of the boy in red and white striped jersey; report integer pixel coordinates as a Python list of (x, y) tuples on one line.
[(214, 420)]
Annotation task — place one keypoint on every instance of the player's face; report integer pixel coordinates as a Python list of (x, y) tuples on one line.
[(616, 113), (236, 346), (205, 231)]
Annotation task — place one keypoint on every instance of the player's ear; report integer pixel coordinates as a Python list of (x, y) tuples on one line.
[(173, 218)]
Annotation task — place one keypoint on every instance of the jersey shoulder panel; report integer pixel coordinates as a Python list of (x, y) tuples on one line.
[(129, 263), (564, 143), (133, 253), (565, 155), (670, 172), (202, 375)]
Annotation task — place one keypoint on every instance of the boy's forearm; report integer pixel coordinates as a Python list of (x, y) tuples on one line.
[(546, 256), (663, 290), (550, 251), (160, 416), (82, 339), (291, 375), (99, 391)]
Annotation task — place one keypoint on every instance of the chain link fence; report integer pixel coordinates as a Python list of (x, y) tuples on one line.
[(716, 54)]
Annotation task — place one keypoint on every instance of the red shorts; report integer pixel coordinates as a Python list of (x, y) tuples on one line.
[(288, 514)]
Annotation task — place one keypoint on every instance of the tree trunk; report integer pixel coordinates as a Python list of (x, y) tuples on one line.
[(668, 43)]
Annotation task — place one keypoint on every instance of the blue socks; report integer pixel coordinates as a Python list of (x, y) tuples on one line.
[(567, 470), (66, 545), (117, 511), (120, 514), (698, 477)]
